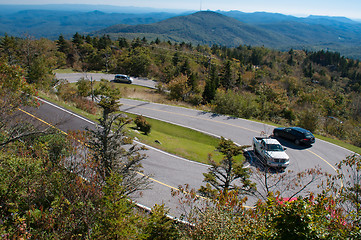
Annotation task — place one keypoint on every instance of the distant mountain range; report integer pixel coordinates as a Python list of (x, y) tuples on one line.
[(50, 21), (200, 28), (223, 28), (257, 29)]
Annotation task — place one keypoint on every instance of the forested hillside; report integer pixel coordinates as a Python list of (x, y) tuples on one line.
[(50, 191), (234, 28), (67, 21), (231, 29), (205, 28)]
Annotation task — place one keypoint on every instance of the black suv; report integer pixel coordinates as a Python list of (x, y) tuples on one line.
[(296, 134)]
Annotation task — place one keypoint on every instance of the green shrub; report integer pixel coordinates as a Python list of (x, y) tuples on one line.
[(142, 124), (66, 91), (83, 87)]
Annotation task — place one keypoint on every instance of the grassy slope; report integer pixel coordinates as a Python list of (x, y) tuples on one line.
[(180, 141)]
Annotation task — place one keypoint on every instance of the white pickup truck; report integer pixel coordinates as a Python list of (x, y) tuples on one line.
[(271, 151)]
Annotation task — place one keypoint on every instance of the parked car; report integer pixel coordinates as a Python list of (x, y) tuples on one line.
[(295, 134), (271, 152), (121, 78)]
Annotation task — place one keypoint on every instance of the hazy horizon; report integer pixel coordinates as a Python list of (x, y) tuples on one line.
[(347, 8)]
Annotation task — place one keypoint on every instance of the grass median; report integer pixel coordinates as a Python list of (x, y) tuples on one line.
[(177, 140), (174, 139)]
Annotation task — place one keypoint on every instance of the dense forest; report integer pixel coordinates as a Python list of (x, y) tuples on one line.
[(47, 190)]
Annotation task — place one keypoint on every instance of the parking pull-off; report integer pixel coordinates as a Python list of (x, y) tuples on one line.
[(271, 152)]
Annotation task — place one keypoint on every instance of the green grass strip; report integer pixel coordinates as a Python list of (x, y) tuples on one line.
[(180, 141), (174, 139)]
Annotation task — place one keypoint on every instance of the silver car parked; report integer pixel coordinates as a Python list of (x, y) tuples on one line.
[(121, 78)]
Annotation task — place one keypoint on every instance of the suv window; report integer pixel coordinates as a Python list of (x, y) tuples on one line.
[(297, 133)]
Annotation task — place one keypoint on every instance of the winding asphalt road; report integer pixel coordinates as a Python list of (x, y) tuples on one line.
[(241, 131), (170, 171), (167, 171)]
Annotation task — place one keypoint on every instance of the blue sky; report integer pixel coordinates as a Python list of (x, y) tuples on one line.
[(347, 8)]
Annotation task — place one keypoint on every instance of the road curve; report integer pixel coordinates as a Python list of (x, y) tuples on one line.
[(241, 131), (167, 171)]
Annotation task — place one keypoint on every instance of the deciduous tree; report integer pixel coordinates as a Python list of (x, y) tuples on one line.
[(349, 195), (84, 87), (179, 88)]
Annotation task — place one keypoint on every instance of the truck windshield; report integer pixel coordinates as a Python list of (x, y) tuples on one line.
[(274, 147)]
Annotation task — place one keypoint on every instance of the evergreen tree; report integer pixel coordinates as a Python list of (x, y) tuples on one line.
[(77, 39), (209, 91), (88, 39), (211, 86), (290, 61), (104, 42), (227, 80), (256, 57), (111, 149), (8, 48), (221, 177), (159, 226), (62, 44), (186, 68), (136, 43), (123, 43), (138, 64), (40, 73), (175, 59), (193, 81), (117, 218)]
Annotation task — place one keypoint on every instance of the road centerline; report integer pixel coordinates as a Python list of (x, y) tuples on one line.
[(185, 115), (65, 133), (323, 160), (218, 122)]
